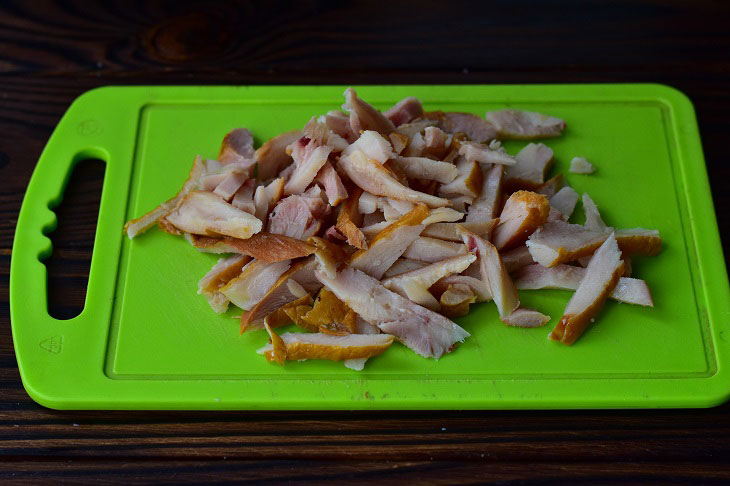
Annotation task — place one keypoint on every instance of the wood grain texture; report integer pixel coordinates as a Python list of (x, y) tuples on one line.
[(50, 52)]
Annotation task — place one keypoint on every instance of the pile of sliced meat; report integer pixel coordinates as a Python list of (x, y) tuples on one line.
[(366, 227)]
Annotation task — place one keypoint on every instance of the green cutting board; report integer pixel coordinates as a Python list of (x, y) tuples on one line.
[(146, 340)]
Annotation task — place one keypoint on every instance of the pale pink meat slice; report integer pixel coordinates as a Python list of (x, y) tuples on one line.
[(522, 214), (555, 215), (357, 364), (494, 273), (418, 294), (501, 286), (299, 150), (593, 217), (568, 277), (317, 134), (450, 231), (328, 254), (372, 177), (255, 279), (599, 280), (403, 265), (427, 333), (456, 299), (272, 156), (559, 242), (533, 162), (487, 205), (480, 288), (639, 241), (443, 215), (398, 141), (363, 116), (564, 201), (215, 173), (261, 205), (373, 145), (390, 244), (139, 225), (298, 216), (275, 191), (478, 152), (416, 127), (230, 184), (526, 318), (333, 186), (349, 219), (207, 244), (222, 272), (339, 122), (393, 209), (204, 213), (468, 182), (628, 268), (266, 197), (372, 230), (516, 258), (551, 186), (368, 203), (580, 165), (397, 208), (476, 128), (364, 327), (405, 111), (218, 302), (243, 199), (282, 292), (237, 148), (415, 284), (433, 250), (299, 346), (306, 169), (425, 168), (210, 180), (525, 125), (416, 146), (435, 138)]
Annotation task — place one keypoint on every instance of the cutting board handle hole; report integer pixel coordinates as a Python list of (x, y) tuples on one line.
[(73, 239)]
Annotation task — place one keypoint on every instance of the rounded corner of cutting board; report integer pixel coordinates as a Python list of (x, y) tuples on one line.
[(92, 95), (720, 393), (41, 397), (673, 97)]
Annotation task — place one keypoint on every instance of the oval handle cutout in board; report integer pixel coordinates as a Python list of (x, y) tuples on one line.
[(73, 239)]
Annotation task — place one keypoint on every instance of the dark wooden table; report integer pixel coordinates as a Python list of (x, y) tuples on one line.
[(52, 52)]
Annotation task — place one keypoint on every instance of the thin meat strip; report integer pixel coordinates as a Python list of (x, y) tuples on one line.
[(599, 280)]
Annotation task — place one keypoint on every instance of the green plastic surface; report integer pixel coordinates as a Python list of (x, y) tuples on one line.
[(146, 340)]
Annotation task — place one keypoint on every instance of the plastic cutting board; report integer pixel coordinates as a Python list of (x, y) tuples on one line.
[(146, 340)]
